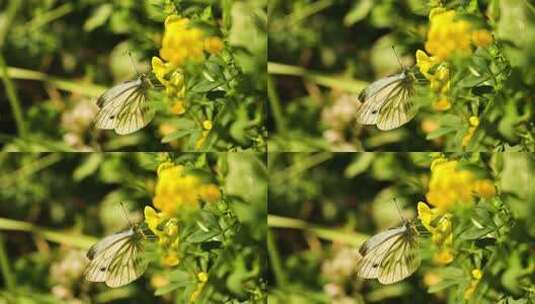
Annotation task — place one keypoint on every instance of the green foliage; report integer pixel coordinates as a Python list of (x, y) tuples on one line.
[(56, 52), (55, 201), (317, 47), (323, 206)]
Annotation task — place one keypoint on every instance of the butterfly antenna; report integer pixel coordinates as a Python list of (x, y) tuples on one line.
[(126, 214), (397, 57), (399, 210), (133, 63)]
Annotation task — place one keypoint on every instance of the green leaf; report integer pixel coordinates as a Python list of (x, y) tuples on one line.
[(358, 12), (201, 236), (474, 233), (176, 135), (99, 16), (450, 276), (440, 132), (361, 163), (88, 167)]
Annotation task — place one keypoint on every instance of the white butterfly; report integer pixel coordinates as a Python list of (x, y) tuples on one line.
[(124, 107), (387, 102), (391, 255), (117, 259)]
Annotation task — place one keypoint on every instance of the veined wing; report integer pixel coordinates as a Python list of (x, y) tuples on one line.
[(116, 260), (101, 254), (124, 108), (375, 249), (398, 109), (127, 265), (400, 261), (374, 97)]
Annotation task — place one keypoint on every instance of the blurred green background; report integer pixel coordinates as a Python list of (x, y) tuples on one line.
[(323, 206), (58, 57), (53, 207), (323, 53)]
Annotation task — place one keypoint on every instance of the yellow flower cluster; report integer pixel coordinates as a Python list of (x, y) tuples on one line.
[(447, 35), (441, 231), (449, 185), (207, 126), (181, 43), (166, 229), (176, 190), (477, 274), (173, 80), (474, 122), (439, 81), (202, 277)]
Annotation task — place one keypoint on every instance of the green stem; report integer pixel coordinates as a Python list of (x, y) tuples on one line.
[(9, 279), (49, 16), (274, 101), (300, 166), (87, 89), (79, 241), (6, 180), (346, 84), (10, 14), (13, 98), (274, 258), (339, 235)]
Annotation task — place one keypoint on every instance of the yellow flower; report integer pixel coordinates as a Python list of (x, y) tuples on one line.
[(476, 277), (173, 80), (477, 274), (159, 281), (443, 104), (449, 186), (153, 220), (474, 121), (181, 42), (425, 63), (207, 126), (482, 38), (202, 277), (213, 45), (171, 259), (447, 34), (427, 215), (177, 190), (210, 193), (178, 107), (484, 188), (443, 257), (431, 279), (161, 69), (166, 129), (429, 125), (439, 224)]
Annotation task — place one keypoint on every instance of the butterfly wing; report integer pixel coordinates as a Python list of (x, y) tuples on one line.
[(398, 109), (374, 97), (127, 265), (124, 108), (116, 259), (386, 102), (400, 261), (375, 249)]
